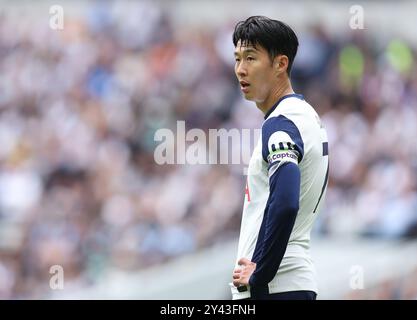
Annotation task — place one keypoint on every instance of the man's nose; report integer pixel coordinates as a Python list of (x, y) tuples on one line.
[(241, 70)]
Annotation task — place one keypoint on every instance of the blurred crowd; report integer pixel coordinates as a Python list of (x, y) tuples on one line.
[(79, 109), (401, 287)]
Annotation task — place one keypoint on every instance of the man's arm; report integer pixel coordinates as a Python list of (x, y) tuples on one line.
[(283, 150), (277, 224)]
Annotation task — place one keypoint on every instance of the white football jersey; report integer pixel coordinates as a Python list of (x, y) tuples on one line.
[(298, 137)]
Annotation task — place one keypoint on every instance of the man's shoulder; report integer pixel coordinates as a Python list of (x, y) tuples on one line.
[(289, 110), (291, 107), (298, 111)]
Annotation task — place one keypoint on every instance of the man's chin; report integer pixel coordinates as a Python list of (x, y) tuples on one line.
[(248, 96)]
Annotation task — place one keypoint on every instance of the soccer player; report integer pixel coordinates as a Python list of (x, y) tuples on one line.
[(288, 170)]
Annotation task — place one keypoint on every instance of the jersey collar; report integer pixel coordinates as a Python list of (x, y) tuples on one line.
[(295, 95)]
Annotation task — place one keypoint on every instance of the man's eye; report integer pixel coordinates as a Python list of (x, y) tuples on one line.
[(250, 58), (237, 59)]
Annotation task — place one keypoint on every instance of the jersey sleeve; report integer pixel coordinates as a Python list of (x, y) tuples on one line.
[(277, 224), (283, 149), (281, 143)]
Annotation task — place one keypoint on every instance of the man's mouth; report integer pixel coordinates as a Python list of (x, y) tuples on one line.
[(244, 86)]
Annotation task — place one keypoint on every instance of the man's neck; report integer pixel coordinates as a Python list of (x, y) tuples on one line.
[(280, 91)]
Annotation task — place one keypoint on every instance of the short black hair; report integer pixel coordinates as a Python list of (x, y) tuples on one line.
[(273, 35)]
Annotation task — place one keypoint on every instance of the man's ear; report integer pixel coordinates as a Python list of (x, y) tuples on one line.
[(280, 64)]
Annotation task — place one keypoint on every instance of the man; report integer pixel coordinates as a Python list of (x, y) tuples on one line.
[(288, 171)]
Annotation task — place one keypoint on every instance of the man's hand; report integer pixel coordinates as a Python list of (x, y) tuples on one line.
[(242, 274)]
